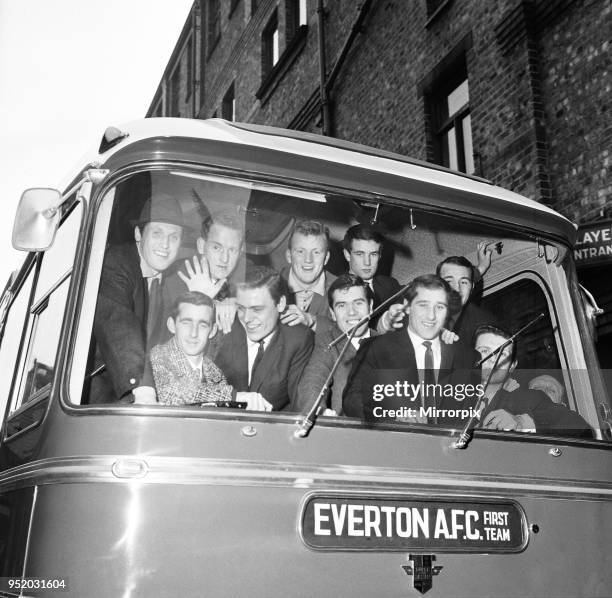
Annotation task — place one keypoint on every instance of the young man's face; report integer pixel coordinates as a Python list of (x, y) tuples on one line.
[(427, 312), (221, 249), (349, 306), (460, 280), (257, 311), (307, 256), (363, 258), (192, 327), (159, 243), (486, 343)]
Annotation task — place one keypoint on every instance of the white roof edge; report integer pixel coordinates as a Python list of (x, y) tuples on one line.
[(221, 130)]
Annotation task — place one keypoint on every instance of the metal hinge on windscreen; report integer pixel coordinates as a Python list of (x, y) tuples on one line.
[(606, 417), (547, 251)]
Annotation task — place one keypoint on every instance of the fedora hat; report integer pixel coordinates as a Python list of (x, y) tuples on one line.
[(160, 207)]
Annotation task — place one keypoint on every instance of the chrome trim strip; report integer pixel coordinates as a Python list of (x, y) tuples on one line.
[(338, 478)]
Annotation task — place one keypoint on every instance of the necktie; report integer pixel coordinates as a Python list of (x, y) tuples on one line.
[(429, 378), (154, 312), (303, 299), (256, 362)]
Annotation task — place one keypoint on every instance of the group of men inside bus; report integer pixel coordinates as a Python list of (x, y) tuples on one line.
[(178, 333)]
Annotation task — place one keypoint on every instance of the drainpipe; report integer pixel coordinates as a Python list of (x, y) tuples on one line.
[(325, 112)]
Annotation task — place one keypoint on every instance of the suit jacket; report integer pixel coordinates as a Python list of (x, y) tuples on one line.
[(383, 288), (390, 358), (280, 369), (471, 317), (549, 418), (320, 365), (319, 305), (119, 326), (177, 383)]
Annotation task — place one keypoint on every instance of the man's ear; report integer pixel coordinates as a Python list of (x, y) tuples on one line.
[(371, 304), (213, 330), (332, 315), (171, 325), (288, 255), (137, 234), (513, 366), (282, 304), (347, 254), (200, 245), (326, 258)]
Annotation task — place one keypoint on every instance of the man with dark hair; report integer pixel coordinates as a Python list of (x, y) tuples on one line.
[(219, 246), (261, 354), (519, 410), (459, 273), (129, 312), (350, 300), (183, 374), (362, 248), (306, 278), (402, 360)]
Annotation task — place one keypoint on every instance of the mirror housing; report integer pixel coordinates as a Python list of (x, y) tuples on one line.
[(37, 219)]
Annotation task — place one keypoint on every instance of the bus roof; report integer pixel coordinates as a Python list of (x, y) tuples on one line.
[(331, 161)]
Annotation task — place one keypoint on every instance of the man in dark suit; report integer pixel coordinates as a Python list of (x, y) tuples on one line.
[(466, 316), (350, 300), (129, 312), (408, 368), (306, 277), (362, 248), (261, 354), (519, 410)]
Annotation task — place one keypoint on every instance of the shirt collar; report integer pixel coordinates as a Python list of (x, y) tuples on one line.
[(296, 285), (417, 341)]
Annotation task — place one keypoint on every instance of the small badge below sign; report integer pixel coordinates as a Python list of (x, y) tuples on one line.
[(336, 522)]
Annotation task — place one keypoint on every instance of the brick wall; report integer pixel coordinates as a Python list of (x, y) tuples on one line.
[(538, 73)]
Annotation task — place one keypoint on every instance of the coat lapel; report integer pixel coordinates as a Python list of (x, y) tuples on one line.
[(267, 364)]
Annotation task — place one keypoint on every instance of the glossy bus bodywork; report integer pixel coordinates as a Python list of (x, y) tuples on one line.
[(149, 501)]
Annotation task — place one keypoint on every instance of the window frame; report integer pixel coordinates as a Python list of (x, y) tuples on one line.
[(441, 122)]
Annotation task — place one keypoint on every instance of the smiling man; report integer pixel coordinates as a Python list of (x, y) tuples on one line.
[(306, 277), (219, 247), (350, 300), (261, 354), (183, 374), (519, 410), (409, 356), (129, 313)]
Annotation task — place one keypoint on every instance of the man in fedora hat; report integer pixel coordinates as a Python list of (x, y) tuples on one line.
[(129, 313)]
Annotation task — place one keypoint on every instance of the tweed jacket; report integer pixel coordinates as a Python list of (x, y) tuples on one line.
[(177, 383)]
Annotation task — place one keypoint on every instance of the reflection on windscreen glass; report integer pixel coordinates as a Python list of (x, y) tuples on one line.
[(216, 294)]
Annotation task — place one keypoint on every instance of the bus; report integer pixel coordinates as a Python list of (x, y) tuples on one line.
[(108, 496)]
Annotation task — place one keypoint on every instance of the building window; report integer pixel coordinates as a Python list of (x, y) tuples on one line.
[(449, 103), (214, 24), (296, 16), (175, 90), (269, 46), (228, 106)]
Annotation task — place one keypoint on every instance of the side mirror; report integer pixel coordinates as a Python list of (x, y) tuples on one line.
[(37, 219)]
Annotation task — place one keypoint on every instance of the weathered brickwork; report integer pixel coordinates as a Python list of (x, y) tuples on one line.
[(538, 74)]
